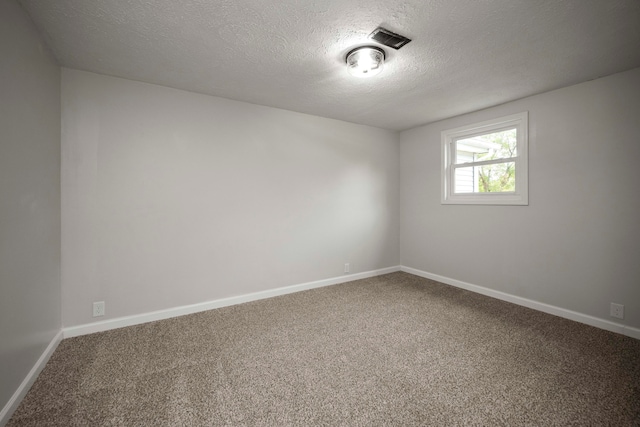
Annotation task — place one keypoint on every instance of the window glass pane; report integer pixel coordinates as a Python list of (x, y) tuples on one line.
[(491, 146), (496, 178)]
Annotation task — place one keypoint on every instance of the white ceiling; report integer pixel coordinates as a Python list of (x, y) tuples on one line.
[(465, 54)]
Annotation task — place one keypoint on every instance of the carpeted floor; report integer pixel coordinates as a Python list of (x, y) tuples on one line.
[(391, 350)]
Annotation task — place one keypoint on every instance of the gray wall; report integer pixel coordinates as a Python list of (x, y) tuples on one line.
[(172, 198), (577, 244), (29, 198)]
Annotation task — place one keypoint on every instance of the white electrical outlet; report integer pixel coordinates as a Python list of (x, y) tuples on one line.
[(346, 268), (98, 309), (617, 310)]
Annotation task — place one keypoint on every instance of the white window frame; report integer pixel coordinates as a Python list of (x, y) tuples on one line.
[(449, 137)]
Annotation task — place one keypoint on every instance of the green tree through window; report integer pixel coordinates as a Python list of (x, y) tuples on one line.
[(499, 177)]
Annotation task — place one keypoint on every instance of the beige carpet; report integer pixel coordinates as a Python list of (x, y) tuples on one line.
[(392, 350)]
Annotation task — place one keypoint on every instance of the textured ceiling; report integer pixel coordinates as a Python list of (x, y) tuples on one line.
[(465, 55)]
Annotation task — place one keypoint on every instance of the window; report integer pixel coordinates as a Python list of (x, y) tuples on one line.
[(486, 163)]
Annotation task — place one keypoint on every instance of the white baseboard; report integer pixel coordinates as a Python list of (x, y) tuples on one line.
[(26, 384), (546, 308), (137, 319)]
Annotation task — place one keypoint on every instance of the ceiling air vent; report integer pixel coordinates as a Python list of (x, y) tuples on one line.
[(387, 38)]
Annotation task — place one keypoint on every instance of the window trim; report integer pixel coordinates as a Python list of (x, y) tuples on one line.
[(521, 194)]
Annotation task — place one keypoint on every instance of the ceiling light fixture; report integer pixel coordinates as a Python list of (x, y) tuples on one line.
[(365, 61)]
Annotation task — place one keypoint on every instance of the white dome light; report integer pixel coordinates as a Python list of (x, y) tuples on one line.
[(365, 61)]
